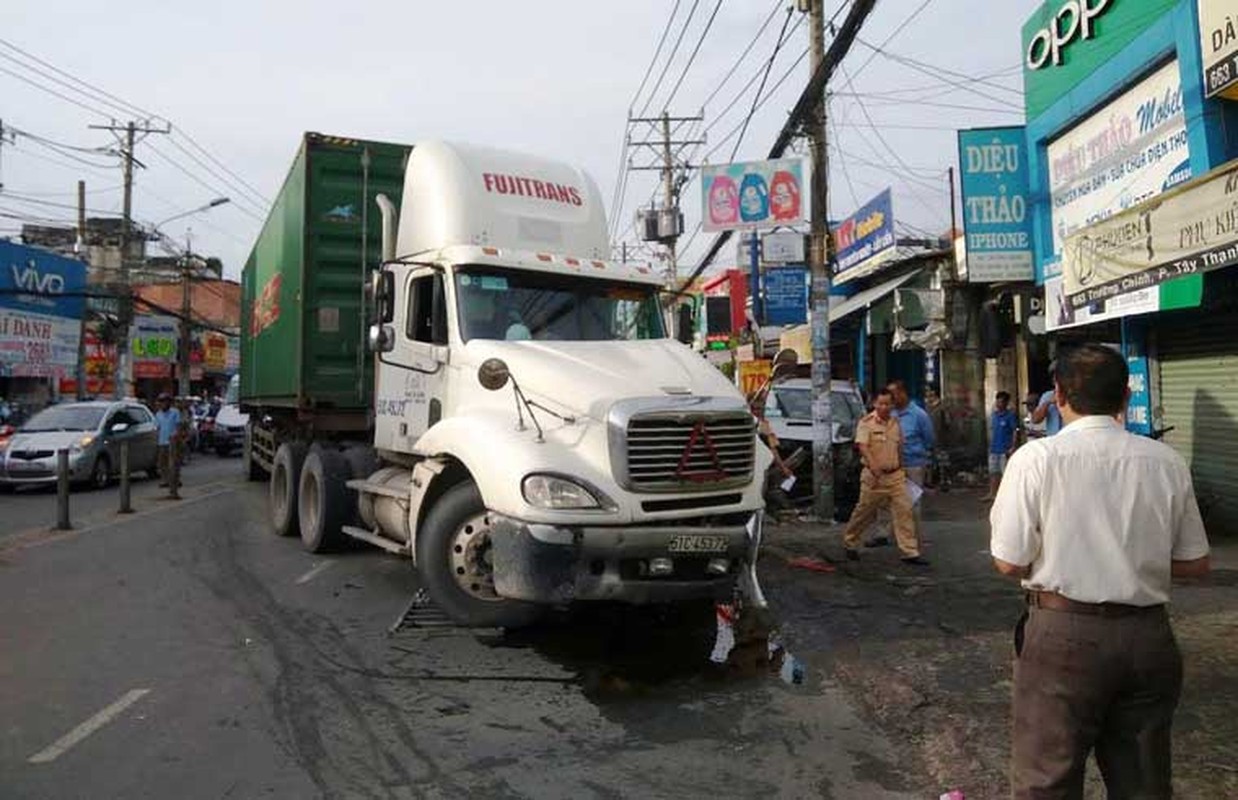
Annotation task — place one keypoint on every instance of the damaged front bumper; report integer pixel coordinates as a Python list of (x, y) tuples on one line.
[(560, 564)]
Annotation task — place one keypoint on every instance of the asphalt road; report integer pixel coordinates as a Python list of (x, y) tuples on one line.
[(186, 652)]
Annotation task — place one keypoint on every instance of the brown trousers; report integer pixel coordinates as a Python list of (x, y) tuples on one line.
[(875, 493), (1084, 683), (170, 466)]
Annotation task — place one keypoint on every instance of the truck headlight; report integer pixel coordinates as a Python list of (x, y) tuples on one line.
[(552, 491)]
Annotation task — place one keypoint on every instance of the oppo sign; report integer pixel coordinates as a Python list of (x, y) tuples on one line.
[(1073, 20)]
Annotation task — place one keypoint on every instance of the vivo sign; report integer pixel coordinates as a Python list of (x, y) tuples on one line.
[(1074, 19), (35, 282)]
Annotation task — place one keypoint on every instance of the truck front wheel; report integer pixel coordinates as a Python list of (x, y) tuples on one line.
[(285, 481), (323, 502), (454, 559)]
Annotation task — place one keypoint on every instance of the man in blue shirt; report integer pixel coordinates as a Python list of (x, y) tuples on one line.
[(1003, 425), (918, 443), (1047, 410), (168, 421)]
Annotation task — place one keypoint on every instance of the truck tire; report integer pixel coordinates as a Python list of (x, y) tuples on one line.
[(324, 503), (253, 471), (452, 559), (285, 483)]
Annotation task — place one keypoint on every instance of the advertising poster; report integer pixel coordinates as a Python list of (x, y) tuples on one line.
[(40, 312), (753, 194), (1189, 231), (153, 343), (1129, 151), (864, 240), (994, 177)]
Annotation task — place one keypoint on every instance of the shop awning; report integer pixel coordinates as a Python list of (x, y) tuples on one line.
[(864, 299)]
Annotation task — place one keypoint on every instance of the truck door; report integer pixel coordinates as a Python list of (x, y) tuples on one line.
[(412, 375)]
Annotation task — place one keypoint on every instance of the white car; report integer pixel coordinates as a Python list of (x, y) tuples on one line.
[(788, 408)]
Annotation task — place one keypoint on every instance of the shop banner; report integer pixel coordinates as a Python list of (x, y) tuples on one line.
[(1218, 38), (786, 295), (865, 240), (1191, 230), (153, 344), (216, 352), (754, 374), (1186, 292), (1131, 150), (994, 178), (37, 345), (1066, 41), (40, 282), (753, 194)]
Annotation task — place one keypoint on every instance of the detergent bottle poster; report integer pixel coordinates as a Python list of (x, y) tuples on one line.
[(753, 194)]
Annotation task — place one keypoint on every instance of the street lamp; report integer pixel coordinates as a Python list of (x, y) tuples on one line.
[(218, 201)]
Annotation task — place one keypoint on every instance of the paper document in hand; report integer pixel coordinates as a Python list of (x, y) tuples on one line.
[(914, 492), (788, 484)]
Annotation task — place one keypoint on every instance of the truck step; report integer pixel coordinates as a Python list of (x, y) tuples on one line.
[(376, 540), (362, 485)]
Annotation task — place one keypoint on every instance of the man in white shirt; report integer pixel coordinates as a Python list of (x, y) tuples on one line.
[(1095, 521)]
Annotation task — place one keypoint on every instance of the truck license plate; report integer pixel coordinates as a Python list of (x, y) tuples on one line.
[(697, 543)]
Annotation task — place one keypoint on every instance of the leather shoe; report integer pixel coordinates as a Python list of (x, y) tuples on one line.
[(916, 561)]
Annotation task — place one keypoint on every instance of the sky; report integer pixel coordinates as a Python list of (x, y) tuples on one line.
[(241, 81)]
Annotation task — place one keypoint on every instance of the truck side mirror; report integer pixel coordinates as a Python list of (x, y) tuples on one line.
[(384, 295), (381, 338), (683, 324)]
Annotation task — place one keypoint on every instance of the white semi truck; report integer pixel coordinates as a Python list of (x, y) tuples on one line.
[(517, 420)]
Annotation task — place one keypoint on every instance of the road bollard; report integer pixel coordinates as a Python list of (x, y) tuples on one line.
[(62, 490), (125, 505)]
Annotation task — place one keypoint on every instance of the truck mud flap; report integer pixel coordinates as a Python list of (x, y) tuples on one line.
[(526, 568)]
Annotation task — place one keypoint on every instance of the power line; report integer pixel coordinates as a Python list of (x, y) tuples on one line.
[(223, 181), (657, 52), (74, 169), (244, 184), (700, 41), (742, 56), (670, 59), (199, 181), (131, 108), (769, 65), (66, 98)]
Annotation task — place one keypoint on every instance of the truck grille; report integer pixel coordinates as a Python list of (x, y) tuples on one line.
[(685, 452)]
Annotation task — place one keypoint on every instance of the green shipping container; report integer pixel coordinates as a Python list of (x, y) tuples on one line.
[(302, 316)]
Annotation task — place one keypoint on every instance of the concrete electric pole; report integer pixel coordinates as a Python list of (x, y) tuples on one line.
[(183, 366), (668, 227), (819, 266), (124, 350)]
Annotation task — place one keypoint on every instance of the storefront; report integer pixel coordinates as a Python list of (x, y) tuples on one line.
[(41, 306), (1129, 137)]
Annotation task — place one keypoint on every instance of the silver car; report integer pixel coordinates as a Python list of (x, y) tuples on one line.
[(92, 433)]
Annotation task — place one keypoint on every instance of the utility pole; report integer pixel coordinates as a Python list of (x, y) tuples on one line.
[(81, 254), (673, 171), (123, 348), (182, 366), (819, 265)]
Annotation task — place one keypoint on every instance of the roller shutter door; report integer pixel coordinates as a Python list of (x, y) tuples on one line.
[(1199, 398)]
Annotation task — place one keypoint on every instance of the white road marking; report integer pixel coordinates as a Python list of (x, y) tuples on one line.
[(73, 737), (313, 573)]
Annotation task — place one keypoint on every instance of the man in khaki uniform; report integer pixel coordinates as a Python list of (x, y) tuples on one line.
[(883, 482)]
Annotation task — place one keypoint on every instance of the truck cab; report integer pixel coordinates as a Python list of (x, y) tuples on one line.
[(537, 439)]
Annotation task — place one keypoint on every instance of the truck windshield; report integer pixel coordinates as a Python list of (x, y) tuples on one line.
[(518, 304)]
